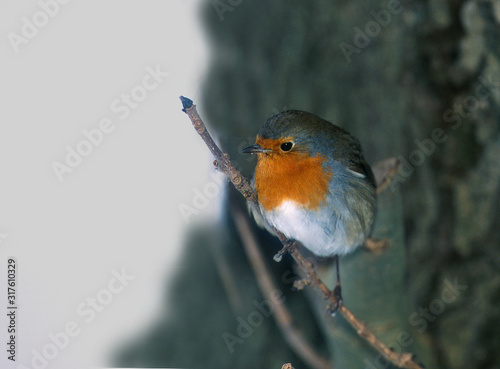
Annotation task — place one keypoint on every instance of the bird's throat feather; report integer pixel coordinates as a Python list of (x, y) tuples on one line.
[(291, 177)]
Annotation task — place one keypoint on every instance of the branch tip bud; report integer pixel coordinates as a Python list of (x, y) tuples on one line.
[(186, 103)]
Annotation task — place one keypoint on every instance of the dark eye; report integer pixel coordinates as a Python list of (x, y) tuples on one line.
[(287, 146)]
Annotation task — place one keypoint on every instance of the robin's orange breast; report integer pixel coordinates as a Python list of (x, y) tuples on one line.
[(292, 176)]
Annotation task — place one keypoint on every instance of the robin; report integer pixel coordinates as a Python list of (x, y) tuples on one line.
[(313, 183)]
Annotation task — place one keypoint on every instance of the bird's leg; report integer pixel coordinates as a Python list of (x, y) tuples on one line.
[(288, 245), (337, 293)]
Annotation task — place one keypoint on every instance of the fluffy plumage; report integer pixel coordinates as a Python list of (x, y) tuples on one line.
[(313, 182)]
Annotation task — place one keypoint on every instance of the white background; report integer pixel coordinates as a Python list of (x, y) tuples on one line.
[(119, 209)]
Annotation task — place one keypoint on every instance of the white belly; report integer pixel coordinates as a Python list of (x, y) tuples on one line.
[(320, 231)]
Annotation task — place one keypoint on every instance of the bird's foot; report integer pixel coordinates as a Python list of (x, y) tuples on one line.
[(286, 248), (337, 294)]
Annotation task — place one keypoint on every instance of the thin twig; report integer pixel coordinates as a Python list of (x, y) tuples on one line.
[(384, 172), (282, 315), (223, 161), (401, 360)]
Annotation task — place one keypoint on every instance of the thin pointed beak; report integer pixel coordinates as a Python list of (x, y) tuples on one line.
[(254, 149)]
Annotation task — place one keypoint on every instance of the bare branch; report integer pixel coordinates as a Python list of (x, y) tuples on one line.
[(223, 161), (384, 171)]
